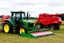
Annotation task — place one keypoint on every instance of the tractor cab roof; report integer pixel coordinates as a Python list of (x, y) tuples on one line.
[(17, 12)]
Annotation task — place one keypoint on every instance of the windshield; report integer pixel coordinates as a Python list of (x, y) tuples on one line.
[(18, 15), (23, 16)]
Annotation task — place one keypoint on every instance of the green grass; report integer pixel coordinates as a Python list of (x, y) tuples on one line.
[(15, 38), (58, 37)]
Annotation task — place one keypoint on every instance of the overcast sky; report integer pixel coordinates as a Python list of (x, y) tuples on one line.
[(35, 7)]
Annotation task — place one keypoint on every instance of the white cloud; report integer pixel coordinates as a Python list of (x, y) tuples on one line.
[(33, 6), (56, 3)]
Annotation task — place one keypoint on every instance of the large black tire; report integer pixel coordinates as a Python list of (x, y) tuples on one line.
[(7, 27), (22, 30), (57, 27), (54, 27)]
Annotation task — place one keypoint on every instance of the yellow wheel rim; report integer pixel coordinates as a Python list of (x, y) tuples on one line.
[(6, 28), (22, 30)]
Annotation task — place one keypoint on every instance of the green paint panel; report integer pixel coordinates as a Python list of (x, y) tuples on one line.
[(11, 22), (28, 35)]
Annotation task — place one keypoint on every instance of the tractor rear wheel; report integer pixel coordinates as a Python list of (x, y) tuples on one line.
[(7, 27), (22, 30)]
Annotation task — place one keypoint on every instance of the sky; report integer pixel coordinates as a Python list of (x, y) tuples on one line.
[(35, 7)]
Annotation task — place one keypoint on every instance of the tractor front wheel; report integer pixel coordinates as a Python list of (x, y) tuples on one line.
[(22, 30)]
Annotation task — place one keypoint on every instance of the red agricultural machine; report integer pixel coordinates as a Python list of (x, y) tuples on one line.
[(52, 15), (61, 15), (4, 17), (46, 20)]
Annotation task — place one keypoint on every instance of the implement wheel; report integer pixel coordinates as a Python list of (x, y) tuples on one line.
[(22, 30), (52, 27), (7, 27), (55, 27), (38, 25)]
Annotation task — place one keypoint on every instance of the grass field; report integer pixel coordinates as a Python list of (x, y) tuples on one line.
[(15, 38)]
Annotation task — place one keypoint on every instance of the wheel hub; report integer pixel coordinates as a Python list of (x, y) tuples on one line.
[(6, 28), (22, 31)]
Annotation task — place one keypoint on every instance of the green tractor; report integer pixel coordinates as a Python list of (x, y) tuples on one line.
[(19, 23)]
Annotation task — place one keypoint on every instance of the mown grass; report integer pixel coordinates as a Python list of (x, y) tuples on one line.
[(58, 37)]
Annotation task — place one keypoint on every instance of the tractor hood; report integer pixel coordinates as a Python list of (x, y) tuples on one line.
[(28, 21)]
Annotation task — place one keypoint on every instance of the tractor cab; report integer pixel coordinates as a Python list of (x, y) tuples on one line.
[(18, 16)]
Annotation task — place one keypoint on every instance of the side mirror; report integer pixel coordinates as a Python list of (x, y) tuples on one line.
[(28, 15)]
